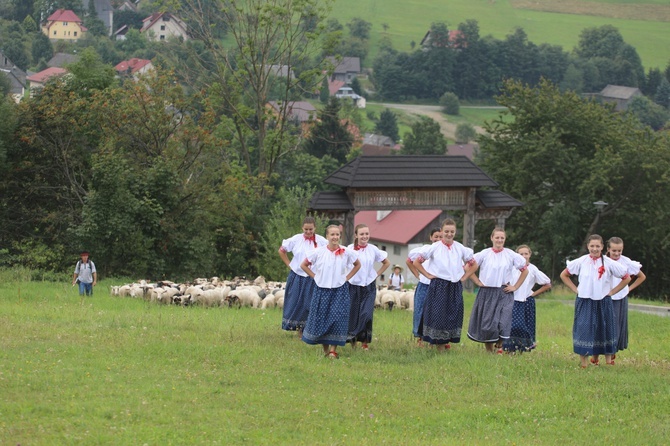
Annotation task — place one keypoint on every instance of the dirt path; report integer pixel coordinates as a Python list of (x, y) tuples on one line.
[(434, 112)]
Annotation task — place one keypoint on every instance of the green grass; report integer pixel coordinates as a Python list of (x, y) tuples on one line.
[(409, 20), (476, 116), (107, 370)]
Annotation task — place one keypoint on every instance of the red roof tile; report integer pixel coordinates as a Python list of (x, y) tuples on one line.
[(64, 15), (44, 75), (398, 227), (133, 64)]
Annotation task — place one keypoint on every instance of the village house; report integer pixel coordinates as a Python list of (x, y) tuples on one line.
[(348, 93), (163, 25), (37, 80), (133, 67), (16, 76), (64, 25), (60, 60), (619, 95), (345, 70)]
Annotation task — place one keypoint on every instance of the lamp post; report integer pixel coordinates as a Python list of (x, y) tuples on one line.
[(600, 206)]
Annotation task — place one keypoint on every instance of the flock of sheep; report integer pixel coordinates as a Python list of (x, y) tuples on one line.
[(237, 292)]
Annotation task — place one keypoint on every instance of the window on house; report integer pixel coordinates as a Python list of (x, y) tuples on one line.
[(75, 33), (162, 37), (54, 33), (383, 248), (64, 23), (162, 27), (396, 250)]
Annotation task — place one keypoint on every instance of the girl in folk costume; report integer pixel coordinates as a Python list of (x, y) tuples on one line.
[(442, 317), (594, 331), (491, 317), (299, 285), (362, 289), (522, 337), (424, 282), (330, 266), (620, 299)]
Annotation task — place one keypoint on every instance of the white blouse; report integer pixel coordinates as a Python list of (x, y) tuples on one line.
[(534, 277), (446, 260), (331, 267), (496, 268), (632, 268), (367, 255), (413, 255), (594, 284), (301, 248)]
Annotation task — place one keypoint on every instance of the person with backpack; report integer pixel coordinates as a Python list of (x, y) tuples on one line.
[(86, 274), (396, 280)]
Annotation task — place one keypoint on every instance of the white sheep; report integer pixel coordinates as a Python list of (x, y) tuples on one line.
[(247, 297)]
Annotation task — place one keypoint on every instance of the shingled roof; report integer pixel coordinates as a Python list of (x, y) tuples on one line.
[(410, 171), (496, 199), (331, 201)]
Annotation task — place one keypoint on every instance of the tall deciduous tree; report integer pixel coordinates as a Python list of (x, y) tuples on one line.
[(559, 155), (426, 138), (261, 34)]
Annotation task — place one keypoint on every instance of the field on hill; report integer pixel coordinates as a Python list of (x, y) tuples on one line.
[(408, 20), (106, 370)]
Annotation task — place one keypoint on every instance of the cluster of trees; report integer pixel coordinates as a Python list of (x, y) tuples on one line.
[(474, 67), (559, 155)]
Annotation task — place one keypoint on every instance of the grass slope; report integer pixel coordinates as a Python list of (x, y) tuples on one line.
[(409, 20), (106, 370)]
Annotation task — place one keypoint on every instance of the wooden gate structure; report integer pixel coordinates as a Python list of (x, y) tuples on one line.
[(412, 182)]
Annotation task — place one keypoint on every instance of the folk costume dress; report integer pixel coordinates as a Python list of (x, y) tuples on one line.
[(299, 285), (522, 337), (620, 302), (491, 317), (421, 289), (362, 293), (328, 319), (442, 317), (594, 331)]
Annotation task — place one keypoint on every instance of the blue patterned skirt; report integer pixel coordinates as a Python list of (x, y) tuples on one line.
[(361, 309), (594, 331), (491, 317), (419, 299), (522, 337), (442, 319), (328, 320), (297, 297), (621, 321)]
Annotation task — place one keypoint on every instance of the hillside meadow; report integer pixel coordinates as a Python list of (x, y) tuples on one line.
[(545, 21), (106, 370)]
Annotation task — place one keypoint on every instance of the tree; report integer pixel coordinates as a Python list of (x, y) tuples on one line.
[(654, 76), (648, 112), (324, 91), (90, 73), (359, 28), (329, 136), (42, 48), (662, 96), (260, 34), (450, 104), (16, 52), (560, 154), (465, 132), (426, 138), (356, 86), (387, 125), (30, 26)]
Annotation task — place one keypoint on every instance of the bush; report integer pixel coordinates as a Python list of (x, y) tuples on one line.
[(465, 133), (450, 104)]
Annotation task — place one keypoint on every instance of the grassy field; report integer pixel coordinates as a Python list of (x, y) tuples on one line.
[(106, 370), (408, 20)]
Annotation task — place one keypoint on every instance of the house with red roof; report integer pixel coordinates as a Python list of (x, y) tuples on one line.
[(398, 232), (64, 24), (37, 80), (163, 25), (134, 67)]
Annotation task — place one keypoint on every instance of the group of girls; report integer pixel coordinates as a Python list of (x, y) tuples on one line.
[(335, 302), (331, 289)]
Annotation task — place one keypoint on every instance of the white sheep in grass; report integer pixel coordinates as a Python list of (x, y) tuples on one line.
[(268, 301), (280, 302), (406, 300), (246, 297), (389, 299)]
